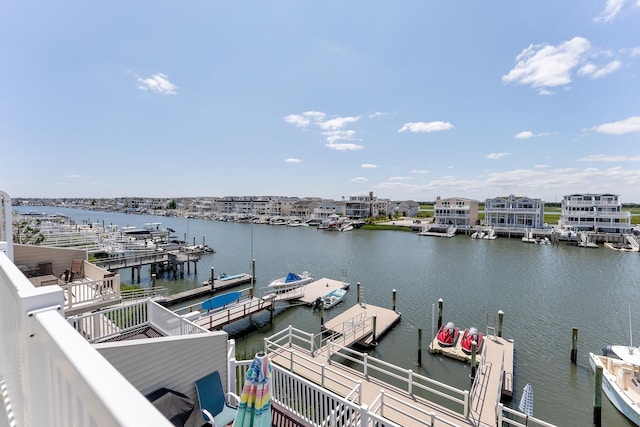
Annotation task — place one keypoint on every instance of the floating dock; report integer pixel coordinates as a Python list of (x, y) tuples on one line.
[(356, 324), (218, 285)]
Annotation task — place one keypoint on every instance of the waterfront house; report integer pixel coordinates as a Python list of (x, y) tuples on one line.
[(594, 212), (362, 207), (407, 208), (514, 212), (455, 211), (326, 208)]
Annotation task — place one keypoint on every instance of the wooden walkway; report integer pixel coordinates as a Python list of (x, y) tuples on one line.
[(219, 318), (356, 324)]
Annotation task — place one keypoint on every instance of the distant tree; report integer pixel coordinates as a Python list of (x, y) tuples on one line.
[(171, 204)]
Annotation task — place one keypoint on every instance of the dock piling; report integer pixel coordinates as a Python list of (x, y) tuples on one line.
[(358, 292), (213, 276), (440, 304), (153, 280), (419, 346), (473, 360), (597, 399), (500, 319), (574, 346), (373, 337), (394, 300)]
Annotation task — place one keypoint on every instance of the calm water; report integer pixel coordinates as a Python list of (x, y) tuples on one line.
[(543, 290)]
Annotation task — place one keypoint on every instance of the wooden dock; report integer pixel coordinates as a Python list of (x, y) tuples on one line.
[(357, 324), (203, 291)]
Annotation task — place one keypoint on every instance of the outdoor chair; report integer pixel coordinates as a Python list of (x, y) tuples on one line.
[(215, 406), (76, 268)]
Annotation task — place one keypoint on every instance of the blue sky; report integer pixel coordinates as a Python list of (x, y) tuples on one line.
[(410, 100)]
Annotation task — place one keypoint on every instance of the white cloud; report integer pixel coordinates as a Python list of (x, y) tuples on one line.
[(543, 65), (343, 146), (605, 158), (636, 50), (337, 123), (297, 119), (359, 179), (315, 115), (73, 176), (400, 178), (340, 135), (420, 171), (541, 166), (525, 134), (158, 83), (596, 72), (496, 156), (416, 127), (610, 11), (290, 160), (368, 166), (628, 125), (377, 114)]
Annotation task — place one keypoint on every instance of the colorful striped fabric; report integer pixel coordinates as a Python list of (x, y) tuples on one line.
[(255, 401)]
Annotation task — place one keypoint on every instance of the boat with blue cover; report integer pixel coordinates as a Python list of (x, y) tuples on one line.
[(290, 281)]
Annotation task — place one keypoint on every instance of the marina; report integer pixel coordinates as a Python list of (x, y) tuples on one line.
[(565, 293)]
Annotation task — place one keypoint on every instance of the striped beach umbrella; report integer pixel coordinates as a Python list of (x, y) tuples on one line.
[(255, 402)]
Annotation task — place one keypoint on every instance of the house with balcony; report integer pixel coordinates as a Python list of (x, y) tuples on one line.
[(455, 211), (361, 207), (514, 212), (594, 212)]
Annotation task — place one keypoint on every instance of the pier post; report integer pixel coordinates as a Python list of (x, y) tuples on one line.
[(138, 268), (203, 245), (188, 263), (358, 292), (440, 303), (473, 360), (213, 276), (194, 240), (182, 270), (253, 273), (321, 315), (597, 399), (195, 267), (373, 337), (153, 280), (574, 346), (500, 319), (394, 300), (419, 346)]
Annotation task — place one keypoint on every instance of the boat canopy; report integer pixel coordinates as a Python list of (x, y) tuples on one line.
[(292, 277)]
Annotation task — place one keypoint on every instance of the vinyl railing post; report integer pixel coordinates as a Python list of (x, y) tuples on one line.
[(365, 367), (466, 405), (322, 374), (410, 382)]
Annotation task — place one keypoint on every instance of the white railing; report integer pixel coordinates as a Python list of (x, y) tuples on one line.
[(511, 417), (86, 292), (314, 405), (406, 379), (115, 321), (328, 375), (282, 343), (52, 376)]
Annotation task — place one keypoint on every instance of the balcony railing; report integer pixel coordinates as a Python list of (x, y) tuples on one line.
[(52, 376)]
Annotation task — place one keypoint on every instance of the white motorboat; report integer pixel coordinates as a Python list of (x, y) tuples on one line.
[(333, 298), (290, 281), (620, 384)]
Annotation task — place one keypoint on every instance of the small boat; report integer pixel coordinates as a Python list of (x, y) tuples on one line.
[(470, 335), (623, 247), (620, 384), (448, 335), (290, 281), (333, 298)]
